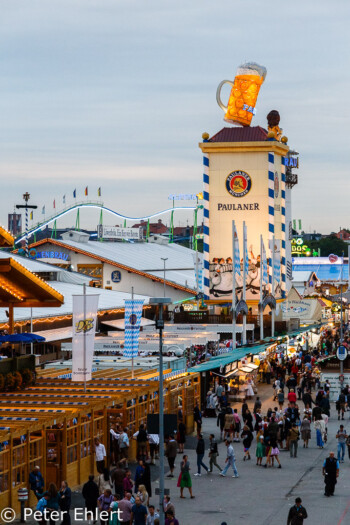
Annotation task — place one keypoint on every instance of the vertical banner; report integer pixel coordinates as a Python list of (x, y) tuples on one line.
[(198, 270), (265, 275), (133, 314), (84, 329)]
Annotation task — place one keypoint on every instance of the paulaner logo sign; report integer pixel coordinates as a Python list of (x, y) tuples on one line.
[(238, 183)]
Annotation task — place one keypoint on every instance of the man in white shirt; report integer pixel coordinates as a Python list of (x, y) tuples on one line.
[(100, 452), (151, 516)]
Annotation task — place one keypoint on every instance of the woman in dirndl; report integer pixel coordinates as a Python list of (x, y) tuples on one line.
[(184, 480)]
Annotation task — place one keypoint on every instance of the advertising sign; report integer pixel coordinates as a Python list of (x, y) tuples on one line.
[(84, 329), (116, 232), (342, 353)]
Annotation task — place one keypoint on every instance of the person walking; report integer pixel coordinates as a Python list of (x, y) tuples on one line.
[(117, 478), (305, 430), (104, 502), (280, 398), (65, 502), (184, 480), (297, 513), (171, 452), (113, 518), (197, 417), (260, 447), (320, 428), (294, 435), (125, 507), (53, 502), (127, 482), (247, 436), (100, 452), (181, 436), (103, 482), (230, 460), (124, 444), (213, 453), (200, 451), (36, 482), (330, 471), (341, 437), (90, 494)]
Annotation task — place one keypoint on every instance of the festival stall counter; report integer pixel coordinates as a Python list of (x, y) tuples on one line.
[(54, 422)]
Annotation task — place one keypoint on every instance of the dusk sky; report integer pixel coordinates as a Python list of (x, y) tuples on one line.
[(117, 93)]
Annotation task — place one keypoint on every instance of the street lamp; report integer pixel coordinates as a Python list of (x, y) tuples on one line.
[(164, 259), (161, 302)]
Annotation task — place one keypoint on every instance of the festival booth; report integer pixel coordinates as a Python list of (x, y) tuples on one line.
[(53, 423)]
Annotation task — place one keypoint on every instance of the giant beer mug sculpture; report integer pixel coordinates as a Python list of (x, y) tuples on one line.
[(244, 93)]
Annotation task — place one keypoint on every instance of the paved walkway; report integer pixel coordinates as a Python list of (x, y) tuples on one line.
[(260, 496)]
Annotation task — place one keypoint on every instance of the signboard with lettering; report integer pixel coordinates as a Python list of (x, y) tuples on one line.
[(116, 232)]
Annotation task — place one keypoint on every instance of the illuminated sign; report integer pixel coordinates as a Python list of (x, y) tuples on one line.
[(292, 162), (238, 183), (52, 255), (182, 197), (298, 247)]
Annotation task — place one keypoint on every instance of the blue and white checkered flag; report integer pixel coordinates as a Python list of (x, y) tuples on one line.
[(237, 261), (133, 314), (277, 268), (265, 276)]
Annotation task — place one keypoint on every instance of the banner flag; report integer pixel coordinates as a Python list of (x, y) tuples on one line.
[(200, 271), (99, 192), (86, 191), (75, 194), (54, 203), (265, 275), (300, 224), (294, 224), (277, 268), (237, 261), (31, 216), (84, 329), (43, 210), (64, 199), (245, 253), (133, 314)]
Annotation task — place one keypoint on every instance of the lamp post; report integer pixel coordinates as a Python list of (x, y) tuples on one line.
[(164, 259), (26, 206), (341, 311), (161, 302)]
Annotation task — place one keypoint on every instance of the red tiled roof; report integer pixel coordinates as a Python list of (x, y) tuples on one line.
[(246, 134)]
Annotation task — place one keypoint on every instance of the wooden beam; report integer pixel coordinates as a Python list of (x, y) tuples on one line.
[(11, 319)]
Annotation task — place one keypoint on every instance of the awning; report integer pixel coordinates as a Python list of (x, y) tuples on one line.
[(57, 334), (120, 323)]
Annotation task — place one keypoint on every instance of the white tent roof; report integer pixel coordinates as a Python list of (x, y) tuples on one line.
[(120, 323), (145, 257), (108, 300)]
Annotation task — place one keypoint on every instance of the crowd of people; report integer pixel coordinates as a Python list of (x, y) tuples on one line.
[(299, 411)]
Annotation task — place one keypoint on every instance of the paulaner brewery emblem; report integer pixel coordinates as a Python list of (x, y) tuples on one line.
[(238, 183)]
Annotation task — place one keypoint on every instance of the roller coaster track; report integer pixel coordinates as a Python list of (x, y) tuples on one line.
[(99, 205)]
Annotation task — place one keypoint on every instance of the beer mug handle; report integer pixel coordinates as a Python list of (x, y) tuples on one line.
[(218, 93)]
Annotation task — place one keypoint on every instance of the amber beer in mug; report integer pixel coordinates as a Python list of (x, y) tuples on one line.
[(244, 93)]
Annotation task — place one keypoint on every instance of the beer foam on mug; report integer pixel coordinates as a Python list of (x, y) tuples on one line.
[(252, 68)]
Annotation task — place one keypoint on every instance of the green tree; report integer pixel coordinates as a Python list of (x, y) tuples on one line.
[(329, 245)]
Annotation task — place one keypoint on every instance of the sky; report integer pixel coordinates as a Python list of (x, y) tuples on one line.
[(117, 93)]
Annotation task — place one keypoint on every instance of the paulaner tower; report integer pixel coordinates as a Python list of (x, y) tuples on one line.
[(244, 177)]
